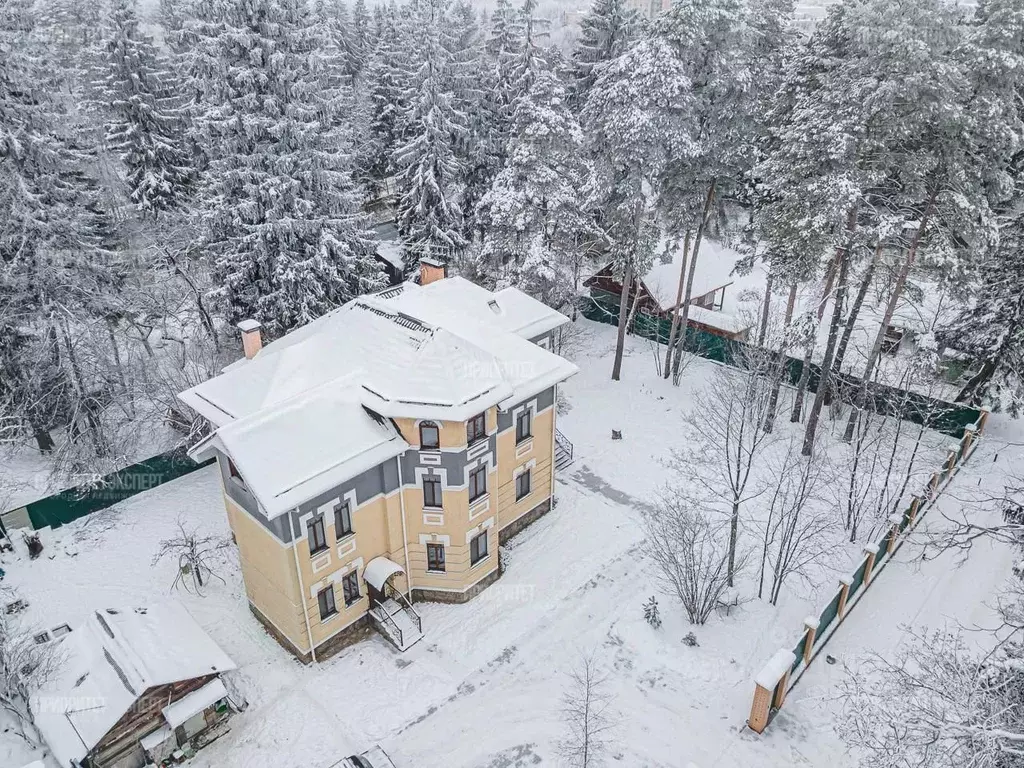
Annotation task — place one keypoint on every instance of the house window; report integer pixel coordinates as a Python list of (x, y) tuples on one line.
[(478, 482), (523, 485), (315, 535), (524, 426), (435, 557), (342, 520), (350, 587), (476, 428), (42, 637), (325, 598), (430, 436), (478, 548), (432, 492), (233, 473)]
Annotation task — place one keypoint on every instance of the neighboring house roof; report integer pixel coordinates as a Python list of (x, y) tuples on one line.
[(110, 661), (311, 409), (715, 265)]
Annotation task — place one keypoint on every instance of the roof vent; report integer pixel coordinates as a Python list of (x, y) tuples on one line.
[(493, 304)]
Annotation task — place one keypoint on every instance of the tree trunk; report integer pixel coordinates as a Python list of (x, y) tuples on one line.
[(773, 403), (620, 341), (675, 310), (691, 270), (44, 441), (95, 428), (765, 310), (858, 302), (826, 363), (830, 277), (890, 309), (734, 531), (969, 394)]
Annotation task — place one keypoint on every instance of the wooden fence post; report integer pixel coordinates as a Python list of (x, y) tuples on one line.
[(810, 630), (871, 550), (915, 507), (982, 421), (845, 582), (770, 689), (895, 520)]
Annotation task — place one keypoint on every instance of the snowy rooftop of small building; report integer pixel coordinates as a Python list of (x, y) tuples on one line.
[(106, 664), (311, 409), (715, 265)]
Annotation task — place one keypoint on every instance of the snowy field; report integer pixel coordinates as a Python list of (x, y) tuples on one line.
[(483, 689)]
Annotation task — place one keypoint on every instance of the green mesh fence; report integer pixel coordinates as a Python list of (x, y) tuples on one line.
[(108, 490), (828, 615), (858, 578), (948, 418), (799, 653)]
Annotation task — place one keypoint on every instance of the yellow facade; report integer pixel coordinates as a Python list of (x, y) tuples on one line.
[(282, 580)]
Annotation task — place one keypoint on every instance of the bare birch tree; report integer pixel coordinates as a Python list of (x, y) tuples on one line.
[(730, 419), (690, 552), (586, 714), (194, 555)]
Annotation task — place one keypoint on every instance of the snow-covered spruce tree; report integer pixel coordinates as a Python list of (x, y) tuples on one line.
[(503, 48), (708, 40), (385, 78), (144, 121), (429, 216), (531, 58), (607, 31), (991, 330), (534, 217), (635, 119), (279, 213), (938, 178), (360, 42)]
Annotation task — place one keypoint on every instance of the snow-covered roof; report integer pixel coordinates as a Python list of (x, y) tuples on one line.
[(720, 320), (193, 703), (310, 410), (715, 265), (109, 662)]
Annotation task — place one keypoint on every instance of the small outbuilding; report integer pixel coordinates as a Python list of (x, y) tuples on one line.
[(133, 687)]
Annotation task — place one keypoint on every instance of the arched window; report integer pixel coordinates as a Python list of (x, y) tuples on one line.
[(430, 436)]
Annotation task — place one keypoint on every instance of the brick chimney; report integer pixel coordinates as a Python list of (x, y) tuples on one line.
[(432, 270), (252, 339)]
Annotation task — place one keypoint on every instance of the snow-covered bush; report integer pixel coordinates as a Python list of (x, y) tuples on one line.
[(651, 614)]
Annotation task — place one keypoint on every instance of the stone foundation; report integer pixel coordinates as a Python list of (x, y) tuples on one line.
[(517, 526), (353, 633), (444, 596)]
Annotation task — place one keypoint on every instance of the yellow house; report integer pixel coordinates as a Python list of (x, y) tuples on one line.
[(379, 455)]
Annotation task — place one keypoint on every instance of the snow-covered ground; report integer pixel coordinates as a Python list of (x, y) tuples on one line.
[(483, 689)]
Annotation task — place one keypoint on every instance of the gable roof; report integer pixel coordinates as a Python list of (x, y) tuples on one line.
[(110, 661), (311, 409)]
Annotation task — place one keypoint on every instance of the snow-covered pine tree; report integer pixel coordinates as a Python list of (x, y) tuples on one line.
[(533, 215), (635, 119), (708, 38), (144, 120), (429, 216), (991, 330), (386, 77), (360, 42), (607, 31), (504, 45), (531, 58), (279, 213)]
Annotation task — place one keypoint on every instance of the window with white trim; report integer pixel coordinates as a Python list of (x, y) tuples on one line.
[(315, 535), (476, 428), (343, 520), (325, 599), (432, 492), (477, 482), (435, 557), (524, 426), (430, 436), (478, 548), (350, 587), (523, 485)]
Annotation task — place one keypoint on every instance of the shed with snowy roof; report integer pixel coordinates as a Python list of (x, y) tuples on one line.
[(132, 686)]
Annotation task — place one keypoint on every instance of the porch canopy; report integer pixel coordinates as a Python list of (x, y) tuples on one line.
[(379, 570)]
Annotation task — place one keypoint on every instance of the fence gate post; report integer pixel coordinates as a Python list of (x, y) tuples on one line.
[(871, 550)]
